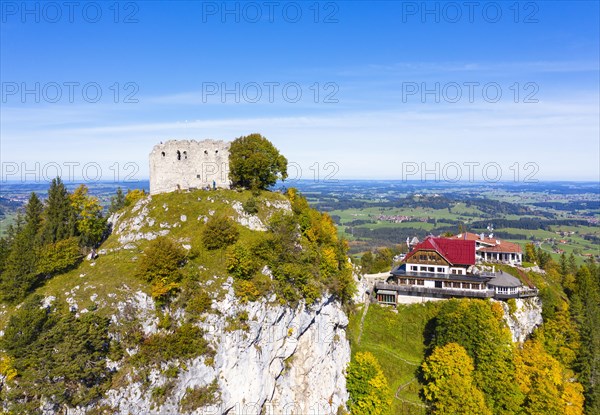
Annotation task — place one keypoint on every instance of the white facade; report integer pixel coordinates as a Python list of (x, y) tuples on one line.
[(188, 164)]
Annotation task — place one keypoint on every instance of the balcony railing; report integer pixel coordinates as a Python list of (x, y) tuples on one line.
[(454, 292)]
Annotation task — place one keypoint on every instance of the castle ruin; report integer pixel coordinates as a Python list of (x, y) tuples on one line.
[(189, 164)]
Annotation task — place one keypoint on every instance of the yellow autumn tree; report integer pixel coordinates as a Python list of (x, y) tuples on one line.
[(449, 388), (547, 385), (368, 388), (90, 222)]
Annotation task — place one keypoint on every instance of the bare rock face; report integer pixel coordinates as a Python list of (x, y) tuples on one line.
[(288, 360), (523, 320)]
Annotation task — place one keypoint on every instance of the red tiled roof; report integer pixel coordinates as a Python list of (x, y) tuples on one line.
[(496, 244), (455, 251), (503, 246), (475, 237)]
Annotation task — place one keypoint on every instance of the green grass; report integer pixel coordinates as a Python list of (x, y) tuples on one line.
[(397, 341)]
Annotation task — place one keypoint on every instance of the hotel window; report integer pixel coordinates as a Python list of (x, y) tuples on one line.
[(420, 282), (411, 282), (414, 268), (476, 286), (447, 284), (456, 285), (466, 286), (430, 269), (440, 269)]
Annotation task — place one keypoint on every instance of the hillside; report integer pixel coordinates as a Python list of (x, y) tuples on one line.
[(542, 345), (254, 323)]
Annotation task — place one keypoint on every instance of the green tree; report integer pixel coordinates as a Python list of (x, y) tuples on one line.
[(133, 196), (33, 215), (250, 206), (88, 211), (161, 261), (58, 257), (20, 266), (585, 307), (241, 263), (366, 262), (449, 387), (117, 202), (24, 327), (530, 253), (59, 359), (58, 214), (368, 388), (255, 163), (4, 252), (219, 232), (478, 326), (161, 265)]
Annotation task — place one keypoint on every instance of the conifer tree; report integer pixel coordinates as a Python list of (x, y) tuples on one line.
[(58, 215), (20, 267), (117, 202), (586, 311)]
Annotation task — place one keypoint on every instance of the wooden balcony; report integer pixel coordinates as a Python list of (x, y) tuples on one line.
[(452, 292)]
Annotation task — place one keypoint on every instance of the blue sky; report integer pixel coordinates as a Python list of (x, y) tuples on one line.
[(386, 88)]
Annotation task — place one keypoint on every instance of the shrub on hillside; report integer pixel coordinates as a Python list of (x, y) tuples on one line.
[(161, 261), (58, 257), (161, 265), (250, 206), (219, 232)]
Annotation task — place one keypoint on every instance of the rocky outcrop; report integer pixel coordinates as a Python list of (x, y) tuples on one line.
[(523, 318), (287, 360)]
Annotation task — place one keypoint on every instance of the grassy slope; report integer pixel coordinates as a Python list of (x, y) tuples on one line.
[(111, 277), (397, 341)]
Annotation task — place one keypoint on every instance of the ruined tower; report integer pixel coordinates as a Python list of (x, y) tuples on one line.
[(189, 164)]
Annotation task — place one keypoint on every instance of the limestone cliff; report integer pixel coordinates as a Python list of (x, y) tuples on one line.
[(522, 317), (289, 360)]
